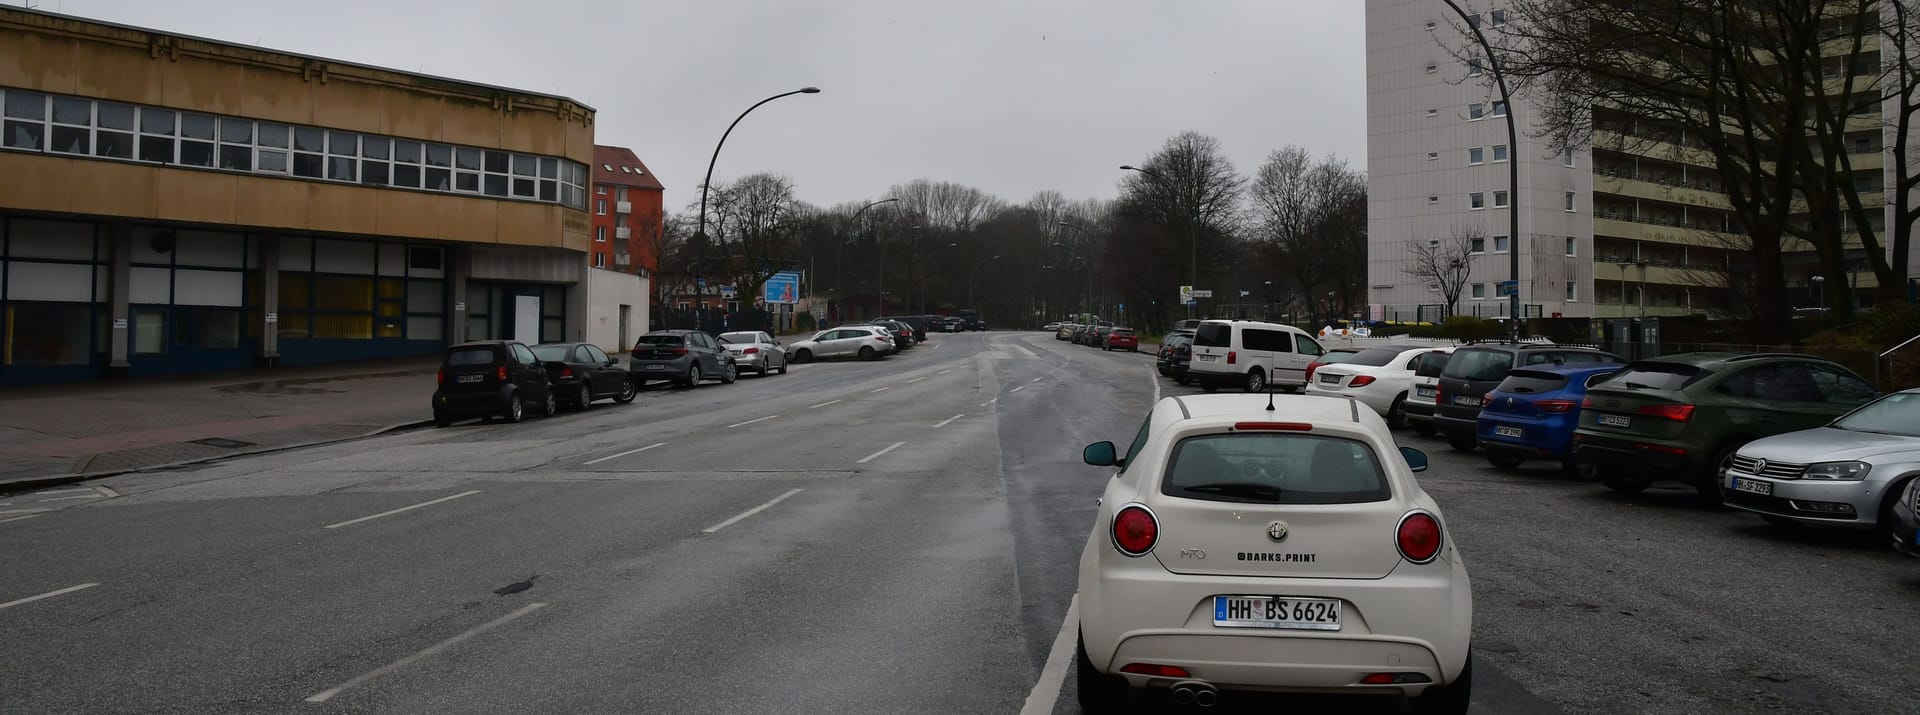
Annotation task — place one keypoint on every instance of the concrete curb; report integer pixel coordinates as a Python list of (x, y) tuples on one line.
[(18, 484)]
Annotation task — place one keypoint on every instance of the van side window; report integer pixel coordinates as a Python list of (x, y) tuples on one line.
[(1309, 346), (1267, 340)]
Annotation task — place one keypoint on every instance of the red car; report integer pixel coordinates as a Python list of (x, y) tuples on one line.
[(1122, 339)]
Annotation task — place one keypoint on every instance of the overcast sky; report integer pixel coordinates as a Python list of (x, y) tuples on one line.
[(1010, 96)]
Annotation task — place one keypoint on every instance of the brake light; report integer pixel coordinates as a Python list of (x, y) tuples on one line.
[(1439, 393), (566, 372), (1677, 413), (1232, 357), (1135, 530), (1361, 381), (1586, 403), (1273, 426), (1554, 406), (1486, 399), (440, 376), (1312, 366), (750, 351), (501, 373), (1419, 537), (678, 351), (1162, 671)]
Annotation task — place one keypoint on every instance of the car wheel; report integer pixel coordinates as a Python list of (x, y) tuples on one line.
[(1504, 462), (440, 420), (584, 400), (1097, 691), (867, 353), (551, 405), (1424, 429), (1397, 413), (629, 389), (783, 367), (730, 374), (515, 408), (1623, 484), (1161, 370), (1256, 380), (1209, 386), (764, 370), (803, 355), (1462, 441), (1450, 699), (1710, 495), (693, 377), (1883, 522), (1182, 381)]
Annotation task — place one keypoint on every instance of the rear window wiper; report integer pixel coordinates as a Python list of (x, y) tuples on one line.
[(1252, 490)]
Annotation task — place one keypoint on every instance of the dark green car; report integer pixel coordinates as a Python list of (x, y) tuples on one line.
[(1681, 417)]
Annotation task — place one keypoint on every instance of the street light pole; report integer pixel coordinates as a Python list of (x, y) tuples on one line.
[(1513, 165), (700, 234), (840, 271), (1193, 241)]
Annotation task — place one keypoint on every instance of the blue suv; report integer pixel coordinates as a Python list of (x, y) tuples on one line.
[(1533, 412)]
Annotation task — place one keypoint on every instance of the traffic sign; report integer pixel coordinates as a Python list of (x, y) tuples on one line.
[(1509, 288), (1186, 294), (1203, 294)]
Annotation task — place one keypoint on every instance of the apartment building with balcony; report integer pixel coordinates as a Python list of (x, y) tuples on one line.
[(628, 212)]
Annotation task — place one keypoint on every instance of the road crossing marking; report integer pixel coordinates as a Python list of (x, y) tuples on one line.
[(623, 454), (401, 509), (879, 454), (750, 512)]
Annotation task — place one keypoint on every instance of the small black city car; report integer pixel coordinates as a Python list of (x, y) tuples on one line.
[(582, 372), (491, 378)]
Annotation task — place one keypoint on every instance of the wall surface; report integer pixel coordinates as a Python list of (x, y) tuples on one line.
[(606, 292)]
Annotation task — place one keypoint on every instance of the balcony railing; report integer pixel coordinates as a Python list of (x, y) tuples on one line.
[(1617, 216), (1661, 180), (623, 233), (623, 207)]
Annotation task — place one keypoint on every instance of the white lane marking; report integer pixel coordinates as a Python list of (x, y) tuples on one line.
[(989, 402), (623, 454), (76, 496), (879, 454), (1037, 379), (1156, 386), (325, 695), (106, 492), (65, 491), (824, 404), (883, 389), (1053, 677), (1017, 389), (49, 594), (18, 518), (751, 421), (750, 512), (914, 380), (943, 372), (33, 510), (401, 509), (944, 422)]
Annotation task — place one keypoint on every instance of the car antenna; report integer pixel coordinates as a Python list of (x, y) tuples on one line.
[(1269, 384)]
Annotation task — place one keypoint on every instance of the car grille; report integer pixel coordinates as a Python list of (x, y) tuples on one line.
[(1773, 470)]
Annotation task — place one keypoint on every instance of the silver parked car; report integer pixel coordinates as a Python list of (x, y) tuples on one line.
[(1847, 474), (681, 356), (867, 342), (756, 351)]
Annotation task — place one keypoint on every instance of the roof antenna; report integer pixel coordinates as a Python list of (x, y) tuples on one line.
[(1269, 384)]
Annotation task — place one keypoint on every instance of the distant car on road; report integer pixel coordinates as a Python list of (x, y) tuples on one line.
[(1475, 370), (582, 372), (488, 379), (1248, 353), (1301, 556), (686, 357), (867, 342), (1849, 473), (1379, 377), (1065, 331), (1171, 356), (1051, 327), (1421, 401), (917, 323), (902, 333), (1122, 339), (1533, 412), (755, 350)]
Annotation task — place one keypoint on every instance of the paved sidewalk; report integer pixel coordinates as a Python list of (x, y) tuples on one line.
[(49, 433)]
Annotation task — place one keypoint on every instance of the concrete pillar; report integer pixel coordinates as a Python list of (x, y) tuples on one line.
[(268, 249), (119, 283), (459, 265)]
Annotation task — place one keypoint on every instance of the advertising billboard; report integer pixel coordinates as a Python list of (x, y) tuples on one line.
[(782, 288)]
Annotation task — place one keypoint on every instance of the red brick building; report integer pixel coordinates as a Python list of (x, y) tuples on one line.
[(628, 211)]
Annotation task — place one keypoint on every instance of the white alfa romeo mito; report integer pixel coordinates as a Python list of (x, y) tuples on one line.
[(1279, 546)]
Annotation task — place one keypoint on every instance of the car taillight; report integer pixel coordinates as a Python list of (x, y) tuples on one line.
[(1361, 381), (1586, 403), (1486, 399), (1135, 530), (1419, 537), (1554, 406), (1677, 413), (1232, 357), (1312, 366), (440, 376), (750, 351), (501, 373), (1273, 426), (1156, 670), (678, 351), (882, 338), (566, 372)]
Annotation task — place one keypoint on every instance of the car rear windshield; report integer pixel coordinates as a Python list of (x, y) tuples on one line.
[(739, 338), (1337, 356), (1373, 357), (1431, 364), (1213, 336), (550, 352), (1528, 382), (1178, 339), (1274, 468), (470, 356), (1474, 364), (1654, 376), (1123, 332), (662, 340)]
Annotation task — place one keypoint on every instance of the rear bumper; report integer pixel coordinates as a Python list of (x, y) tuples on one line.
[(1540, 439), (1645, 460), (1452, 425), (1419, 411), (668, 369), (470, 404)]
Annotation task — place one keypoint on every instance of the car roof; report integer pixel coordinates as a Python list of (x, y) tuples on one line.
[(1573, 367), (1298, 408), (1716, 359), (548, 345), (671, 332)]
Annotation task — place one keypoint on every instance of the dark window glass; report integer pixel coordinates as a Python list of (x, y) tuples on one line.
[(1432, 364), (72, 110), (406, 175), (115, 116), (373, 172), (343, 143), (196, 153), (423, 258), (404, 150), (1213, 336), (374, 147), (1274, 468), (340, 168), (661, 340), (158, 149), (525, 165), (307, 165), (1474, 364), (236, 157), (71, 140), (1267, 340), (197, 126), (1139, 440), (1654, 376), (558, 353), (1526, 382), (236, 131), (468, 357), (274, 135), (549, 168), (1898, 414), (465, 158), (26, 105), (273, 161), (117, 145), (1840, 386), (156, 121), (440, 179), (50, 334), (523, 187), (25, 135), (497, 162), (548, 189), (309, 139), (496, 185)]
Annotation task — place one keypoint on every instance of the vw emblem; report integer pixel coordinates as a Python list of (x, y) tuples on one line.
[(1759, 465), (1277, 531)]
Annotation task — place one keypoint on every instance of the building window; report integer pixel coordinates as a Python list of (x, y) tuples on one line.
[(1473, 68), (1569, 198), (600, 190), (1498, 17), (1431, 69), (25, 125), (1433, 200), (1476, 156), (72, 131), (308, 145), (599, 234), (196, 139), (1499, 153), (1573, 292), (620, 194), (1499, 108), (1473, 21), (1499, 199), (1476, 111), (1479, 291), (600, 207), (1433, 156), (1573, 246), (1567, 159), (599, 260), (1476, 201), (156, 134), (1477, 244), (1499, 244)]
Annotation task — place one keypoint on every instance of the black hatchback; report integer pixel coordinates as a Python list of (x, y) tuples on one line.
[(491, 378), (1474, 371)]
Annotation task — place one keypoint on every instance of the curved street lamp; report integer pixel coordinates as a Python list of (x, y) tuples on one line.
[(840, 268), (700, 234), (1513, 166)]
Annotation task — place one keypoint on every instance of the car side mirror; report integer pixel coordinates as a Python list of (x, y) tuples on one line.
[(612, 361), (1416, 459), (1100, 454)]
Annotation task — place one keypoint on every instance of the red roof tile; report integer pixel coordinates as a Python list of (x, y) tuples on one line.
[(608, 165)]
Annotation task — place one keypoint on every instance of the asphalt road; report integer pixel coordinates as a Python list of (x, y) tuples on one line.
[(893, 537)]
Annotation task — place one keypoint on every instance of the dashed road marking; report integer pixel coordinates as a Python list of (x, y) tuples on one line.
[(392, 512), (750, 512), (914, 380), (824, 404), (943, 372), (879, 454), (751, 421), (949, 420), (989, 402), (49, 594), (1017, 389), (17, 518), (76, 496), (325, 695), (1037, 379), (882, 389), (623, 454)]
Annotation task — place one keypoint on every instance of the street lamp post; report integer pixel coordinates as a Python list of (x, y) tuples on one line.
[(1513, 165), (840, 270), (970, 275), (700, 234), (1820, 293), (1193, 240)]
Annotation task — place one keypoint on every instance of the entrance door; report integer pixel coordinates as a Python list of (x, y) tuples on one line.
[(526, 319)]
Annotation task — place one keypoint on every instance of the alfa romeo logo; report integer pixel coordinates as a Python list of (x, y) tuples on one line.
[(1277, 531)]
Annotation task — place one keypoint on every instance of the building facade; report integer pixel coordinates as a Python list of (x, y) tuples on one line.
[(171, 203), (629, 212)]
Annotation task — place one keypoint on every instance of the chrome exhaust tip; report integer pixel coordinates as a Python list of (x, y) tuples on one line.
[(1182, 695), (1205, 697)]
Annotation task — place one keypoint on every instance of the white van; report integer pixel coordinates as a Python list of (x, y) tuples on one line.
[(1248, 353)]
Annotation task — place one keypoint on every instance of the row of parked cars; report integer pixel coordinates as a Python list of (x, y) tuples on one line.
[(1797, 439), (1103, 335)]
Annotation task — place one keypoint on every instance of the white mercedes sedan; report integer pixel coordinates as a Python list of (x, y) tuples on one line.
[(1270, 543)]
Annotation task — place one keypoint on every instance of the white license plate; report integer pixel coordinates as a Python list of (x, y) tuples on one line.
[(1280, 612), (656, 367), (1329, 379), (472, 378), (1752, 486), (1466, 400), (1208, 358), (1506, 431), (1616, 420), (1426, 391)]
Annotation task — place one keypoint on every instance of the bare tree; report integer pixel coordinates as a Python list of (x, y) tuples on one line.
[(755, 220), (1190, 190), (1444, 262), (1311, 218), (944, 212), (666, 253)]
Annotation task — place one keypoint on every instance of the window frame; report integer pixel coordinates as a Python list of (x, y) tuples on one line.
[(1476, 156), (1477, 201)]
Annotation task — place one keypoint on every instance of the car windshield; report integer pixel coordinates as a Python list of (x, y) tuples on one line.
[(662, 339), (1474, 364), (1896, 414), (739, 338), (1274, 468), (552, 352), (470, 356), (1653, 376)]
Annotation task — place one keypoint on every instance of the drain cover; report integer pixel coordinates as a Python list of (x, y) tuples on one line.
[(222, 443)]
